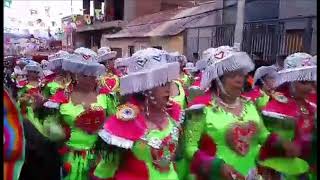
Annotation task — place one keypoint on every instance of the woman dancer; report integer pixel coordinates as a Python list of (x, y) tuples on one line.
[(223, 131), (145, 129), (264, 82), (84, 113), (292, 115)]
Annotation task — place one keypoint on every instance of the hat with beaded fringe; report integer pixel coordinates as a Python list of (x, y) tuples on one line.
[(83, 61), (298, 67), (221, 60), (148, 68)]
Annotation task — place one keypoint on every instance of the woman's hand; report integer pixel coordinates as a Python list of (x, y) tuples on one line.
[(228, 173)]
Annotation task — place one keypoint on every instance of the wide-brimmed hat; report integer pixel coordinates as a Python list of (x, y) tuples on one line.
[(178, 57), (263, 71), (78, 64), (222, 60), (33, 66), (190, 67), (201, 65), (105, 54), (298, 67), (86, 53), (148, 68), (55, 60)]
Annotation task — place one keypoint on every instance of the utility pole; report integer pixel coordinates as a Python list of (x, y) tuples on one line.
[(238, 32)]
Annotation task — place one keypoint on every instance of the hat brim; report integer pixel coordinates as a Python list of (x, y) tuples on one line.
[(238, 61), (146, 80), (306, 73), (106, 56)]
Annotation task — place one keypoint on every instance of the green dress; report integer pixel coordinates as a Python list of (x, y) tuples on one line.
[(142, 153), (81, 156), (181, 98), (227, 138)]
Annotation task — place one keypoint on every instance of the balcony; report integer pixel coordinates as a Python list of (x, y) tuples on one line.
[(95, 26)]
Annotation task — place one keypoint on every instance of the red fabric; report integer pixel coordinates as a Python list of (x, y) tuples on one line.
[(304, 122), (313, 97), (59, 97), (202, 159), (175, 110), (132, 169), (131, 129), (208, 145), (204, 99), (48, 78), (22, 83), (271, 148), (252, 95)]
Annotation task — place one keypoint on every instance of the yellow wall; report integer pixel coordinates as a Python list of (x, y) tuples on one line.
[(170, 43)]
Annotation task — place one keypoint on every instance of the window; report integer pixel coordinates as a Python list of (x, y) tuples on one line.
[(118, 50), (157, 47), (131, 50)]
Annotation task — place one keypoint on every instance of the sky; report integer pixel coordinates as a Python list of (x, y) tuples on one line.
[(19, 12)]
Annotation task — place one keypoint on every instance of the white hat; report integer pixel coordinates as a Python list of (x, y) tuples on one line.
[(190, 67), (148, 68), (298, 67), (201, 65), (262, 71), (105, 53), (179, 57), (86, 53), (33, 66), (221, 60), (55, 60), (78, 64), (17, 70)]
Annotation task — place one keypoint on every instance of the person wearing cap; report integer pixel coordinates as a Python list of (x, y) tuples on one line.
[(110, 82), (83, 111), (223, 132), (13, 139), (263, 86), (291, 115), (145, 129)]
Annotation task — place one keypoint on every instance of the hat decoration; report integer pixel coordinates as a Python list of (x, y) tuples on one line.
[(298, 67), (55, 60), (263, 71), (222, 60), (105, 53), (83, 63), (148, 68)]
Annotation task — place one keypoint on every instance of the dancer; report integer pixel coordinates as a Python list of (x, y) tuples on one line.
[(263, 86), (223, 132), (110, 82), (145, 129), (292, 115), (84, 112)]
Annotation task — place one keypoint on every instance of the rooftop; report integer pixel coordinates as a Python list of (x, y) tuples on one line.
[(163, 23)]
